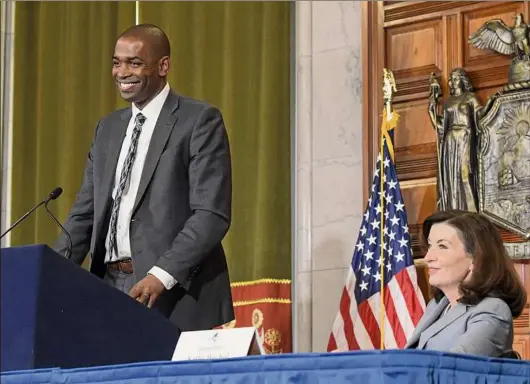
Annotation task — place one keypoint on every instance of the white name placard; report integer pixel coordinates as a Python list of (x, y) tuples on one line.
[(218, 344)]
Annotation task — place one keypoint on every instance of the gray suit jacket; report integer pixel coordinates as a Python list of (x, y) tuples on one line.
[(483, 329), (181, 214)]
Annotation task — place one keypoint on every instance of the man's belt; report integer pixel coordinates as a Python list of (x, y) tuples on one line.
[(124, 266)]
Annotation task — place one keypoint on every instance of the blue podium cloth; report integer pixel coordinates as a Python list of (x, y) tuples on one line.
[(387, 367), (54, 313)]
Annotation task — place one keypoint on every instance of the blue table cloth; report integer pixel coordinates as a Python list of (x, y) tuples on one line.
[(371, 367)]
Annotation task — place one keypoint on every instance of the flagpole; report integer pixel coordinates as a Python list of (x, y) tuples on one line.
[(389, 121), (382, 233)]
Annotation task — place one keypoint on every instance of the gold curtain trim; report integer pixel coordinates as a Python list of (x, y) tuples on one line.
[(265, 300), (260, 281)]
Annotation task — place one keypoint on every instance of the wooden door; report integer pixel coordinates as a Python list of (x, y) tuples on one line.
[(414, 39)]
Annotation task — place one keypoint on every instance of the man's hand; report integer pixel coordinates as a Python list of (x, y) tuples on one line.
[(147, 290)]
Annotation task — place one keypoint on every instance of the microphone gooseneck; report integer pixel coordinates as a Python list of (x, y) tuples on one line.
[(68, 252), (22, 219), (53, 195)]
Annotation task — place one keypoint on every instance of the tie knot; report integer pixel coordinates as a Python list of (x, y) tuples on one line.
[(140, 119)]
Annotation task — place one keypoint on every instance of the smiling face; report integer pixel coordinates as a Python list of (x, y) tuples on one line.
[(447, 260), (140, 73)]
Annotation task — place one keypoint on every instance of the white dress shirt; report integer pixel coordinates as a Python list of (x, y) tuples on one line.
[(151, 112)]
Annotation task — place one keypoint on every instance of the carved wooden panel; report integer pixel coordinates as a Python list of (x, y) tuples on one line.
[(521, 339), (414, 48), (523, 269), (473, 20), (420, 200), (412, 116), (521, 343), (423, 280), (413, 39)]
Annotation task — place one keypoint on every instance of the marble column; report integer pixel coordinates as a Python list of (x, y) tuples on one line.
[(7, 29), (328, 162)]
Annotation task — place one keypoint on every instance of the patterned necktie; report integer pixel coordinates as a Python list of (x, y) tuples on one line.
[(124, 183)]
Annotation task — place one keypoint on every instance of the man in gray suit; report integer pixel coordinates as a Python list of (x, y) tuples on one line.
[(155, 201)]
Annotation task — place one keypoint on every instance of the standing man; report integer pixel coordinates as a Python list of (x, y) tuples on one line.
[(155, 201)]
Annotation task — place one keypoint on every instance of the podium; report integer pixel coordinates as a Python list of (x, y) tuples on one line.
[(56, 314)]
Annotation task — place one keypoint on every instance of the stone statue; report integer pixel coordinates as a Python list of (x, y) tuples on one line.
[(457, 142)]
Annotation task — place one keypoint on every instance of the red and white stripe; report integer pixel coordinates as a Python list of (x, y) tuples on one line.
[(357, 326)]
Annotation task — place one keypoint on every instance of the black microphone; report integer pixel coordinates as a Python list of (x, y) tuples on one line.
[(26, 215), (52, 196)]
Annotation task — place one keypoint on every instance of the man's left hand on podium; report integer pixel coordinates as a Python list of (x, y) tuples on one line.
[(147, 290)]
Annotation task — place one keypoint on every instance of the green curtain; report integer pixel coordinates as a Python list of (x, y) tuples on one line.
[(62, 86), (236, 55)]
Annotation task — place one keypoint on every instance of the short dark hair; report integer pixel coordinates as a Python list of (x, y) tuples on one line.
[(156, 36), (494, 274)]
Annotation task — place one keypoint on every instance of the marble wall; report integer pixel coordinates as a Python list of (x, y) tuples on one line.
[(328, 162), (7, 35)]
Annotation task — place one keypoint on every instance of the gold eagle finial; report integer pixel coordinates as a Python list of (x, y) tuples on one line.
[(389, 87)]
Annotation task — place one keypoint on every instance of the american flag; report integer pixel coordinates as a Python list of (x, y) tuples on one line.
[(358, 323)]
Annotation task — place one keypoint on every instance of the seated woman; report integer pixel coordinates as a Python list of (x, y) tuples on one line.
[(477, 291)]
